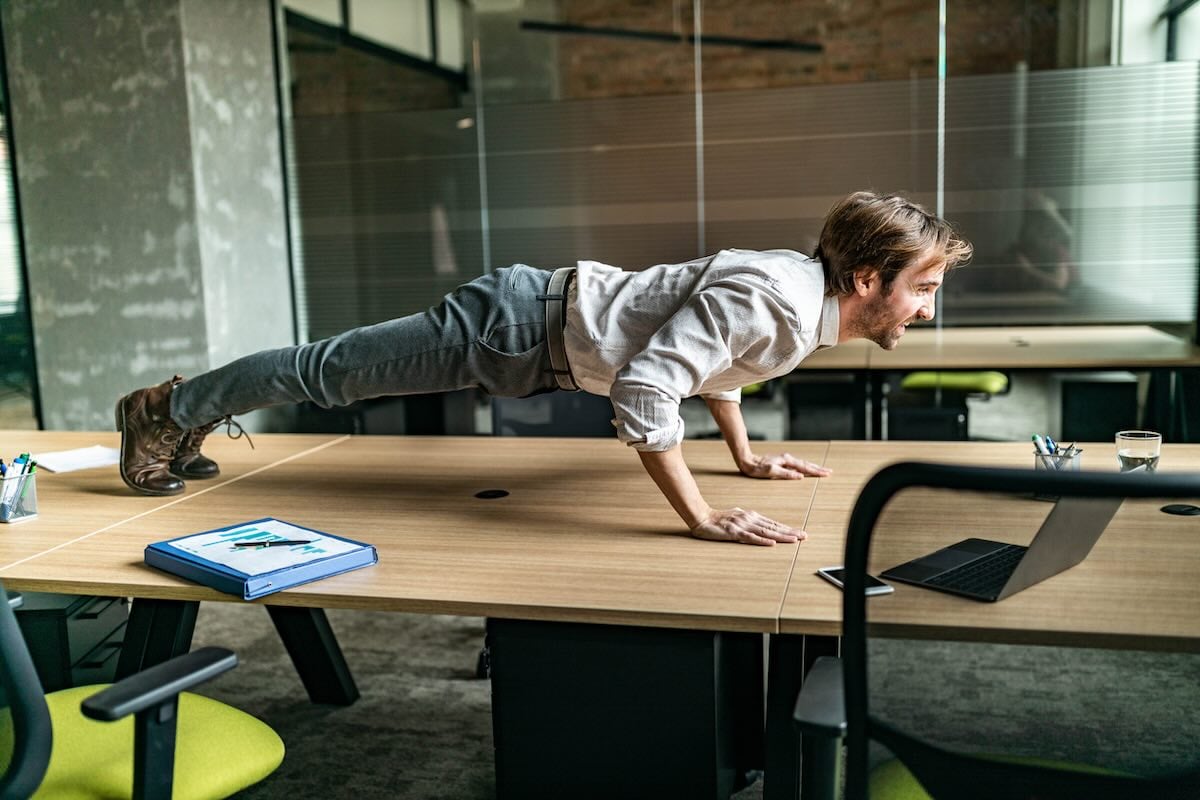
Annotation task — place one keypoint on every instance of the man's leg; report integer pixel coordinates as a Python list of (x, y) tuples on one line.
[(489, 333)]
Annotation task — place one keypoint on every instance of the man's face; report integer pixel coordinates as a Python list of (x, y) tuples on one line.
[(887, 313)]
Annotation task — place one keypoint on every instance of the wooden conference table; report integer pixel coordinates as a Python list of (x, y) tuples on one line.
[(625, 654), (605, 618), (1066, 347)]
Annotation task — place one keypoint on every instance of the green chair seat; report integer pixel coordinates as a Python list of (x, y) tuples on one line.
[(891, 780), (982, 382), (93, 760)]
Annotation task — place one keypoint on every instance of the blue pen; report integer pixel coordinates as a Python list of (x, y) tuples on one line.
[(1053, 445)]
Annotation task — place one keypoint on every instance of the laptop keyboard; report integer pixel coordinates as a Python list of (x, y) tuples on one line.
[(984, 577)]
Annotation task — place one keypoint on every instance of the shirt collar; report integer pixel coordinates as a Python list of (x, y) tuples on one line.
[(830, 320)]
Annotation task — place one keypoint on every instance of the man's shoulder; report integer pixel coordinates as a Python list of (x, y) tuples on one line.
[(764, 259), (785, 267)]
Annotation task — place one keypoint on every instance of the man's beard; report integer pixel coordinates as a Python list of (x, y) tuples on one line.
[(878, 323)]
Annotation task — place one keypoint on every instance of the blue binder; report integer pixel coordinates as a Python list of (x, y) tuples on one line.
[(215, 558)]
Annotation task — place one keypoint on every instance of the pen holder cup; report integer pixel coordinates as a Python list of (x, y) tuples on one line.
[(18, 497), (1057, 462)]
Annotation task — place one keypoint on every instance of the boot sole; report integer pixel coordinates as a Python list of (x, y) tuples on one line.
[(185, 477), (120, 419)]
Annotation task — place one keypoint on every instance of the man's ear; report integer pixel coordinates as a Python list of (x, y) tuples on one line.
[(865, 280)]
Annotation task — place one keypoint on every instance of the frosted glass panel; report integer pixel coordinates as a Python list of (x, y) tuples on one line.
[(1078, 188)]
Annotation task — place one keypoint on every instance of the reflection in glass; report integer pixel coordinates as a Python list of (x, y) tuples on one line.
[(1073, 170)]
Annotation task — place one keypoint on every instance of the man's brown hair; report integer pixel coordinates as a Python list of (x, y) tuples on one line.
[(885, 233)]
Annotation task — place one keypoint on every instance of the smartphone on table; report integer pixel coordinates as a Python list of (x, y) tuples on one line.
[(835, 576)]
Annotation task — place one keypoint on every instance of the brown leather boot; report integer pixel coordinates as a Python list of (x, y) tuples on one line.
[(148, 439), (188, 461)]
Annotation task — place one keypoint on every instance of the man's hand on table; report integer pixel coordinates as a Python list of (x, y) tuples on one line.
[(746, 527), (784, 466)]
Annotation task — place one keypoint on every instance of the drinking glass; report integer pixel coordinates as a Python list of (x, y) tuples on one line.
[(1138, 450)]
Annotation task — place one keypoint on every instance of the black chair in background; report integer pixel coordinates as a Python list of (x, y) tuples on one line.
[(553, 414), (945, 742)]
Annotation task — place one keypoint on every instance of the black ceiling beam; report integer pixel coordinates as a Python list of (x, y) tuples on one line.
[(659, 36)]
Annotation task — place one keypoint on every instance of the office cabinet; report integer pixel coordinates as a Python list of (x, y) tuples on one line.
[(608, 711), (74, 640)]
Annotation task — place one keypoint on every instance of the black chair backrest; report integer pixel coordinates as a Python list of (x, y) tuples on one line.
[(27, 704), (575, 414), (960, 775)]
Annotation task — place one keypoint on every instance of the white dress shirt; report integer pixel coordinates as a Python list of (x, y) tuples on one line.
[(650, 338)]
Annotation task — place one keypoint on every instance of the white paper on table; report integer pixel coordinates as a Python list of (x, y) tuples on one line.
[(218, 546), (79, 458)]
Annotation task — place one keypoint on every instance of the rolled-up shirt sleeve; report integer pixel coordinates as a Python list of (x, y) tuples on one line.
[(700, 340), (732, 396)]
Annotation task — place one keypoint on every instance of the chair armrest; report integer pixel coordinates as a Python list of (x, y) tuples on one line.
[(158, 684), (15, 600), (821, 706)]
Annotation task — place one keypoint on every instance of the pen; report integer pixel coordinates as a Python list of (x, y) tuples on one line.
[(1039, 444), (1053, 445), (31, 468), (273, 543)]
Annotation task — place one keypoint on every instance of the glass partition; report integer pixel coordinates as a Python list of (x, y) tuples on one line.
[(1075, 175), (1054, 133)]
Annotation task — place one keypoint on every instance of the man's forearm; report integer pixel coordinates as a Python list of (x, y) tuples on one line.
[(673, 478), (728, 416)]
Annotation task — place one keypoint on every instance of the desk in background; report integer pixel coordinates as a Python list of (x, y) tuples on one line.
[(1137, 348)]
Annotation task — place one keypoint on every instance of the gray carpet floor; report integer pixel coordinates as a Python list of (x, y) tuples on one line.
[(422, 728)]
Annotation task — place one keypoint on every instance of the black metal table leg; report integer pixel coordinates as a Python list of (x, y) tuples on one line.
[(313, 647), (157, 630), (791, 656), (876, 380)]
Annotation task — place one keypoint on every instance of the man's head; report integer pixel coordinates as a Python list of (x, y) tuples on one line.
[(885, 258), (883, 233)]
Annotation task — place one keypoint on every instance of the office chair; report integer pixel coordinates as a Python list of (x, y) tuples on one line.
[(553, 414), (80, 742), (932, 405), (856, 698)]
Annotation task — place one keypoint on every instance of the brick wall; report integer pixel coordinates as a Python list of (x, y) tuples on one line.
[(862, 41)]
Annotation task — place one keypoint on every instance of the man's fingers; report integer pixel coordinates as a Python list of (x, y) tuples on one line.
[(765, 526), (787, 467), (760, 526), (747, 527), (805, 467)]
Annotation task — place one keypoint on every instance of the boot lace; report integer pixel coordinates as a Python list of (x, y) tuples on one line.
[(192, 439)]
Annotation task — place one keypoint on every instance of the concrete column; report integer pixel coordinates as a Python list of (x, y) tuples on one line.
[(150, 179)]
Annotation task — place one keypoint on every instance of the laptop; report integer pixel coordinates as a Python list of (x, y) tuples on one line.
[(985, 570)]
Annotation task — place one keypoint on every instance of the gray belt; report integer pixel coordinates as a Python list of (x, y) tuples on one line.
[(556, 322)]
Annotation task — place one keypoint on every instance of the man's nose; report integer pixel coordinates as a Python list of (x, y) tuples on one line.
[(926, 310)]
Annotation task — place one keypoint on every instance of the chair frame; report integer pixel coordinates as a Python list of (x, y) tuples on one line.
[(971, 776)]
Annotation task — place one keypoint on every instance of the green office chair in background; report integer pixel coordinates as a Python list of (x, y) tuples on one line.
[(934, 719), (81, 742), (932, 405)]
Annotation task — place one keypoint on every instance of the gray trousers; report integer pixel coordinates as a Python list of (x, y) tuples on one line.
[(488, 334)]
